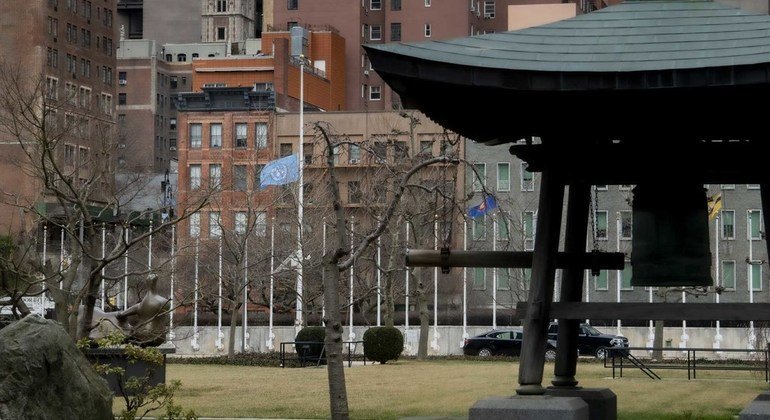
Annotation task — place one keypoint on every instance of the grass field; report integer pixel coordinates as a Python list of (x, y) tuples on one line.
[(445, 388)]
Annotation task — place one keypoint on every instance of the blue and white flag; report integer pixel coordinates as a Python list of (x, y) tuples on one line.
[(280, 172), (485, 207)]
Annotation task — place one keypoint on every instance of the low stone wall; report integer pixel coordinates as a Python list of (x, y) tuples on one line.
[(450, 339)]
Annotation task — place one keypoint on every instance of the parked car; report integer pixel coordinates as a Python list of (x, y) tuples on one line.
[(505, 342), (590, 340)]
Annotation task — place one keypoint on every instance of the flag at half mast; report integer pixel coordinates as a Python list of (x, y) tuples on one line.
[(280, 172), (485, 207)]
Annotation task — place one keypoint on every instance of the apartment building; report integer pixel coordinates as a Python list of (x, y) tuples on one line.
[(66, 47), (167, 21)]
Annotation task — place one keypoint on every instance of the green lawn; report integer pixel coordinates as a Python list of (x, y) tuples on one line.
[(445, 388)]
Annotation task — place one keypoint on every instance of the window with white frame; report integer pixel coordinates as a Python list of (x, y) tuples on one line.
[(241, 135), (728, 274), (600, 225), (196, 135), (728, 224), (375, 34), (261, 136), (427, 29), (503, 230), (241, 222), (479, 177), (626, 225), (602, 187), (752, 186), (526, 278), (427, 3), (375, 4), (354, 154), (503, 279), (489, 9), (601, 281), (755, 273), (292, 4), (216, 135), (503, 176), (727, 186), (51, 87), (754, 224), (625, 277), (375, 93), (479, 230), (479, 278), (195, 225), (195, 176), (69, 153), (260, 223), (527, 178), (215, 175), (528, 228), (215, 227)]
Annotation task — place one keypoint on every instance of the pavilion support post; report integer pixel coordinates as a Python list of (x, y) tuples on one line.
[(765, 194), (572, 284), (541, 287)]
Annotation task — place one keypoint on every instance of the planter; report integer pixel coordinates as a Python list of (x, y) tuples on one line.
[(117, 357)]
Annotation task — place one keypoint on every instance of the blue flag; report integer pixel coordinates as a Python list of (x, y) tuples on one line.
[(485, 207), (280, 172)]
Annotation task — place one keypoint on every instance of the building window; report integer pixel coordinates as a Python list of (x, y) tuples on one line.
[(479, 278), (215, 228), (395, 31), (528, 228), (426, 148), (728, 275), (375, 4), (503, 230), (173, 82), (752, 186), (51, 88), (395, 5), (489, 9), (239, 177), (479, 177), (221, 6), (241, 133), (376, 33), (754, 224), (286, 149), (196, 135), (181, 57), (626, 225), (354, 192), (172, 124), (503, 279), (478, 229), (221, 33), (427, 29), (195, 177), (260, 223), (215, 130), (365, 31), (600, 281), (122, 77), (427, 3), (375, 93), (215, 175), (336, 151), (261, 136), (354, 154), (308, 150), (69, 154), (527, 178), (728, 224), (526, 278), (755, 272), (241, 222), (85, 97), (600, 224), (625, 277), (727, 186), (292, 5), (195, 225), (503, 177), (290, 24), (121, 98)]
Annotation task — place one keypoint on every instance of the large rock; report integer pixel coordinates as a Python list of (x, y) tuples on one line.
[(44, 376)]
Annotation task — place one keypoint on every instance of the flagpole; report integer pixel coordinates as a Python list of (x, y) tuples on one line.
[(323, 274), (195, 346), (104, 239), (465, 286), (270, 336), (301, 193), (494, 275), (379, 275), (220, 335), (149, 249), (351, 334), (717, 279), (171, 293), (125, 272), (434, 343), (406, 286), (245, 340)]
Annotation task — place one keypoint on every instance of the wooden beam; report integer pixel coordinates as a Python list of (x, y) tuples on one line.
[(656, 311), (512, 259)]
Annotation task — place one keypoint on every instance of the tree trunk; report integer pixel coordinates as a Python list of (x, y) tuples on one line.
[(338, 396), (390, 307), (658, 341), (233, 325), (422, 304)]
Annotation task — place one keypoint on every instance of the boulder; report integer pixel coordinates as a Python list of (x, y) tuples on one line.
[(43, 375)]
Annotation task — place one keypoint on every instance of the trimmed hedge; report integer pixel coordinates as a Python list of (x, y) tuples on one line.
[(383, 343), (312, 334)]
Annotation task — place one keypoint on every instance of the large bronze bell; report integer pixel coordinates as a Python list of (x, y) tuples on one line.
[(670, 236)]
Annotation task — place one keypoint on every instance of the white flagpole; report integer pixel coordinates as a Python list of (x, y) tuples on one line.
[(717, 279), (589, 277), (494, 275), (434, 343), (619, 274), (45, 243), (465, 287), (406, 285), (379, 286), (270, 335), (220, 335), (245, 339), (323, 274), (173, 274), (195, 345), (61, 258), (149, 249), (104, 240), (351, 334), (752, 336), (125, 271), (301, 193)]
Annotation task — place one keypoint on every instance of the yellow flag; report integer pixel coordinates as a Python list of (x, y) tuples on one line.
[(714, 205)]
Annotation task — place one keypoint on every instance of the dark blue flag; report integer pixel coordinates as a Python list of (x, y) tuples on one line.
[(485, 207)]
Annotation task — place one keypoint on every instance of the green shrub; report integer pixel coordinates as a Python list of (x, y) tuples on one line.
[(383, 343), (310, 334)]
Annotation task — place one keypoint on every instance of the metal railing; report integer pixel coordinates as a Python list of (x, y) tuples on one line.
[(617, 356), (304, 354)]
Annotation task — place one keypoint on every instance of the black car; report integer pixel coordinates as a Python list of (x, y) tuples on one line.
[(501, 343), (590, 340)]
